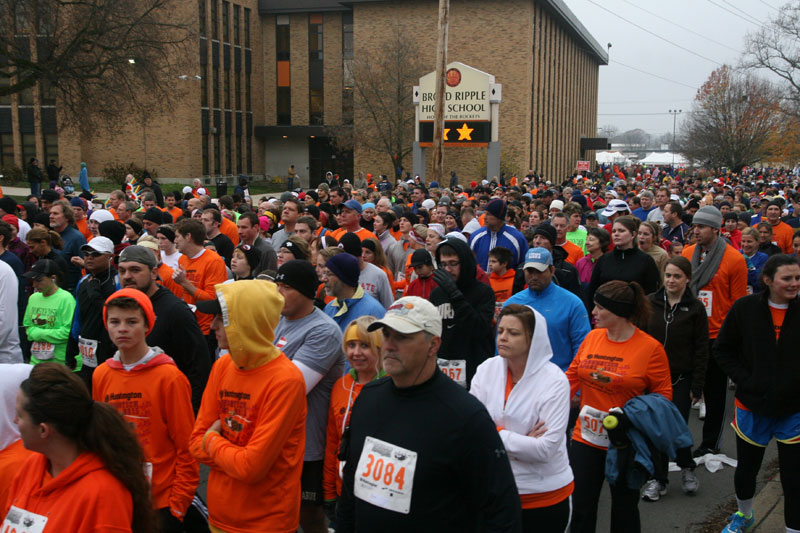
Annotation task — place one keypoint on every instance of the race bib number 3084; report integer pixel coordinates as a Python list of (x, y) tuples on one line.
[(21, 521), (385, 475)]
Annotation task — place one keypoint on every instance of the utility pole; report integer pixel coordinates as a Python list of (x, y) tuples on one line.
[(674, 113), (441, 64)]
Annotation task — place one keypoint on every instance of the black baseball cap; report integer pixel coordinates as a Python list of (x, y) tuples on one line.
[(421, 257), (42, 267)]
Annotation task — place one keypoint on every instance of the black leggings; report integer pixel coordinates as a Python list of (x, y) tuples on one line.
[(749, 457), (552, 519), (682, 398), (588, 466)]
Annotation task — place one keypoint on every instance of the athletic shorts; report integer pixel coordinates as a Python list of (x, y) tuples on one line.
[(759, 430), (311, 482)]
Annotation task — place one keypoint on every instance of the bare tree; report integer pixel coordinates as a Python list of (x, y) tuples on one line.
[(384, 80), (775, 46), (95, 57), (731, 121)]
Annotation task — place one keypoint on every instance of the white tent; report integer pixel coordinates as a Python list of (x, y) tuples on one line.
[(609, 157), (663, 158)]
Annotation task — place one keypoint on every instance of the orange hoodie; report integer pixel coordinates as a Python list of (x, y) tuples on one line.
[(228, 228), (156, 398), (84, 497), (259, 397), (11, 459)]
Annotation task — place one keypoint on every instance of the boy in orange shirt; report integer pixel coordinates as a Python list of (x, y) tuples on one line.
[(501, 278), (251, 426), (149, 390)]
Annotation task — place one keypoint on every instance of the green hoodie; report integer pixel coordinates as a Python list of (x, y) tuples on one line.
[(47, 322)]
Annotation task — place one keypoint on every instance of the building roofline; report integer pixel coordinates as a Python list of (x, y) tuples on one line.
[(576, 29)]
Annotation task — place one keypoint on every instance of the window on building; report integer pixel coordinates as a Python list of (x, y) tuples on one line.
[(28, 147), (228, 153), (6, 150), (347, 35), (217, 155), (214, 20), (315, 105), (215, 87), (236, 10), (26, 96), (203, 86), (347, 105), (248, 149), (50, 146), (237, 90), (315, 37), (238, 154), (227, 89), (247, 27), (282, 41), (47, 93), (5, 81), (205, 155), (284, 106), (247, 91), (202, 8), (226, 36)]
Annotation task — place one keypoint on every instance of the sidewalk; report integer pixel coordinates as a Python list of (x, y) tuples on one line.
[(21, 192), (768, 506)]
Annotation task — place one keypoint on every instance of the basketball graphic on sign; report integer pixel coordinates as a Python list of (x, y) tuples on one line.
[(452, 77)]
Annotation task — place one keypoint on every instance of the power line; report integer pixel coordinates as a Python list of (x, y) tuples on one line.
[(651, 74), (769, 6), (729, 11), (682, 27), (740, 10), (654, 34)]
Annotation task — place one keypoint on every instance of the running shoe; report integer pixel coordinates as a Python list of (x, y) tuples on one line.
[(689, 482), (696, 404), (701, 415), (739, 523), (653, 490)]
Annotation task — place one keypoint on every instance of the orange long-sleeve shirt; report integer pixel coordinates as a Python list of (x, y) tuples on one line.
[(204, 271), (165, 275), (228, 228), (728, 285), (574, 252), (11, 459), (256, 462), (608, 373), (343, 395), (362, 234), (156, 398), (503, 286), (85, 496)]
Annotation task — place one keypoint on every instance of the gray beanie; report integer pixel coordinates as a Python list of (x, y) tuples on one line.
[(708, 216)]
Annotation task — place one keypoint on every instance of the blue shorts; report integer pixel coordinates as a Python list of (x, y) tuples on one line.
[(759, 430)]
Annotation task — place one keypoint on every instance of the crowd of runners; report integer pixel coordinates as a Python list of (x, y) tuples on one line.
[(379, 356)]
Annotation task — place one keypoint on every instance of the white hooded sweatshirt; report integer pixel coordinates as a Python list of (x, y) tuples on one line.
[(539, 464)]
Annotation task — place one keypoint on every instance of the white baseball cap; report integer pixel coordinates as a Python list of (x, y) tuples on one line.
[(615, 206), (428, 204), (99, 244), (411, 314)]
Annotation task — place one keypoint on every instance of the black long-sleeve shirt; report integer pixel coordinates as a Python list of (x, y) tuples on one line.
[(462, 481)]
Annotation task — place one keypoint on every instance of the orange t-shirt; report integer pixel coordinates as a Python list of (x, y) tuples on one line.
[(362, 233), (228, 228), (165, 279), (574, 252), (83, 227), (11, 459), (341, 395), (782, 235), (204, 271), (778, 314), (256, 462), (503, 286), (609, 373), (175, 212), (156, 399), (728, 285)]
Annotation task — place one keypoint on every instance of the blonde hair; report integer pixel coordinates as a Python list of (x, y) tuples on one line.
[(374, 338)]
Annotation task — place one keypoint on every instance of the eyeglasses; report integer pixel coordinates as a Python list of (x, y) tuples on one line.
[(449, 264)]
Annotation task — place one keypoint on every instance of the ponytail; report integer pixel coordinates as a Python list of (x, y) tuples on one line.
[(57, 396)]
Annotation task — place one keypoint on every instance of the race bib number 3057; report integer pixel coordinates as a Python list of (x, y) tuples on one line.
[(22, 521), (385, 475)]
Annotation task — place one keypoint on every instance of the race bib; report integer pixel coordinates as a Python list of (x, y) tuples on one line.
[(88, 349), (22, 521), (707, 299), (42, 351), (456, 369), (385, 475), (592, 430)]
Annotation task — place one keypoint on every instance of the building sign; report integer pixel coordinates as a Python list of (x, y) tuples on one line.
[(458, 133), (466, 97), (582, 166)]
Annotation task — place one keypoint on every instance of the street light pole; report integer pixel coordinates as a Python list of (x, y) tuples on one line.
[(674, 113)]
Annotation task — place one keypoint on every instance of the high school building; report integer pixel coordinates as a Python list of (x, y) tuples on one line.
[(272, 79)]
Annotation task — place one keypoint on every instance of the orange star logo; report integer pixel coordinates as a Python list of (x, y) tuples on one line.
[(446, 131), (465, 133)]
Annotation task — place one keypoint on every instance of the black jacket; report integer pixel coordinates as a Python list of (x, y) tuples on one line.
[(463, 480), (177, 333), (766, 371), (466, 316), (631, 264), (566, 274), (91, 294), (685, 329)]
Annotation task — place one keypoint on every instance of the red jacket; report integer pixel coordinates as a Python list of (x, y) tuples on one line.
[(422, 287)]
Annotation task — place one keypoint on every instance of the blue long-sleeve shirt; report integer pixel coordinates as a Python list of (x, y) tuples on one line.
[(567, 319), (482, 241)]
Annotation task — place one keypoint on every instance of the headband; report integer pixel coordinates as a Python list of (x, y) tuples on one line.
[(416, 238), (618, 307)]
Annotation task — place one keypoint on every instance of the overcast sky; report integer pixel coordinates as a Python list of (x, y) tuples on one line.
[(629, 99)]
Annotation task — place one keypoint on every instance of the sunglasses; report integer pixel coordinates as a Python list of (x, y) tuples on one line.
[(93, 255)]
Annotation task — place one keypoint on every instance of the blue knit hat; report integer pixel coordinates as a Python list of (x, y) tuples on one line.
[(345, 267)]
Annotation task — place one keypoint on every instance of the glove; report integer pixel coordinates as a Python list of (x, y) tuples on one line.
[(330, 510), (444, 280)]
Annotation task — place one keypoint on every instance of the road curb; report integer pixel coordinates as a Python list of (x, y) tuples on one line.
[(768, 506)]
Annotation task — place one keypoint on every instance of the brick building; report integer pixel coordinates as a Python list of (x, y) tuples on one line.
[(272, 77)]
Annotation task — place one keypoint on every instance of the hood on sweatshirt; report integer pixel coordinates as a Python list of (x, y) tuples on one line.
[(11, 376), (154, 357), (540, 351), (468, 270), (251, 310)]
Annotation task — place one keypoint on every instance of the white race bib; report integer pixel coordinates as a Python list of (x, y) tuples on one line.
[(385, 475), (455, 369), (42, 351), (592, 430), (22, 521), (88, 349), (707, 299)]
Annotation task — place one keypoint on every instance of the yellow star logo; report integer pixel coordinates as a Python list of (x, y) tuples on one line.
[(465, 133), (446, 131)]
